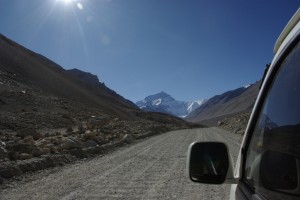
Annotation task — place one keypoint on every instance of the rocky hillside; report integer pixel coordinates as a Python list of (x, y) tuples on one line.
[(230, 103), (236, 124)]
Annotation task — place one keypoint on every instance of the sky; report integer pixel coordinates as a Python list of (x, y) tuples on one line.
[(190, 49)]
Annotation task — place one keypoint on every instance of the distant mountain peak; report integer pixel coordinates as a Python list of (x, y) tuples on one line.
[(162, 93), (165, 103)]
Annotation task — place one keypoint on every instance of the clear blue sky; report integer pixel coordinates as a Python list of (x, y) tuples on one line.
[(191, 49)]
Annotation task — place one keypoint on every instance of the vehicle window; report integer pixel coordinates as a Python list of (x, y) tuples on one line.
[(272, 165)]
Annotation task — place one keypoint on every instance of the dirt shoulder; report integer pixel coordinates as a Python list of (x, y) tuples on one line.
[(29, 150)]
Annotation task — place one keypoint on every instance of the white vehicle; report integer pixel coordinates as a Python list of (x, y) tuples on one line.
[(268, 166)]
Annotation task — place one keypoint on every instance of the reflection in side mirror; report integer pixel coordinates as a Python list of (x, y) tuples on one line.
[(279, 171), (208, 162)]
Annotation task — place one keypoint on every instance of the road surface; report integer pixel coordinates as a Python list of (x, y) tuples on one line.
[(151, 169)]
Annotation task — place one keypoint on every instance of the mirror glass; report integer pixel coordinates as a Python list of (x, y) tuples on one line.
[(209, 162)]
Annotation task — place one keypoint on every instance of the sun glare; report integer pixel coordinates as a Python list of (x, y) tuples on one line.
[(67, 1), (72, 2)]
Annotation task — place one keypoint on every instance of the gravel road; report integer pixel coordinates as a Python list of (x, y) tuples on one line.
[(151, 169)]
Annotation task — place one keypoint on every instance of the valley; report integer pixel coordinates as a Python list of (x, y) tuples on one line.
[(102, 99), (65, 135)]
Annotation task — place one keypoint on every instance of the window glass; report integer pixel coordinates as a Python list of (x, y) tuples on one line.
[(273, 158)]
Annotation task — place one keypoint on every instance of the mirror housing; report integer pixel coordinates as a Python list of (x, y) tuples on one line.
[(209, 162)]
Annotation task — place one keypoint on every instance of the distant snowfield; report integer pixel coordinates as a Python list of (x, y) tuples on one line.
[(156, 102)]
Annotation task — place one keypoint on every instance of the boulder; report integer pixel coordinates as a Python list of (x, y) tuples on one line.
[(127, 138), (9, 171), (46, 150), (25, 156), (13, 155), (29, 139), (81, 130), (25, 167), (90, 143), (71, 143), (55, 141), (57, 133), (79, 153), (3, 151), (41, 164), (42, 143), (22, 148), (88, 135), (69, 130), (28, 131), (37, 152), (52, 148)]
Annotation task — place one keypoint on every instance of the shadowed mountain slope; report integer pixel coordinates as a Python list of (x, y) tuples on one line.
[(229, 103), (41, 74)]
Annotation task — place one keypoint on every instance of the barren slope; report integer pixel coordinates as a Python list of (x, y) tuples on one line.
[(24, 70), (222, 106)]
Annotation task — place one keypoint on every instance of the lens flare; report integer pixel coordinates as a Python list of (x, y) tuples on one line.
[(79, 6)]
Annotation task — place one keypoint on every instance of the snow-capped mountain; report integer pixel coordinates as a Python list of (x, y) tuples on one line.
[(163, 102)]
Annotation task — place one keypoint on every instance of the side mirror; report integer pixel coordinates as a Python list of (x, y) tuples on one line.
[(209, 162)]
